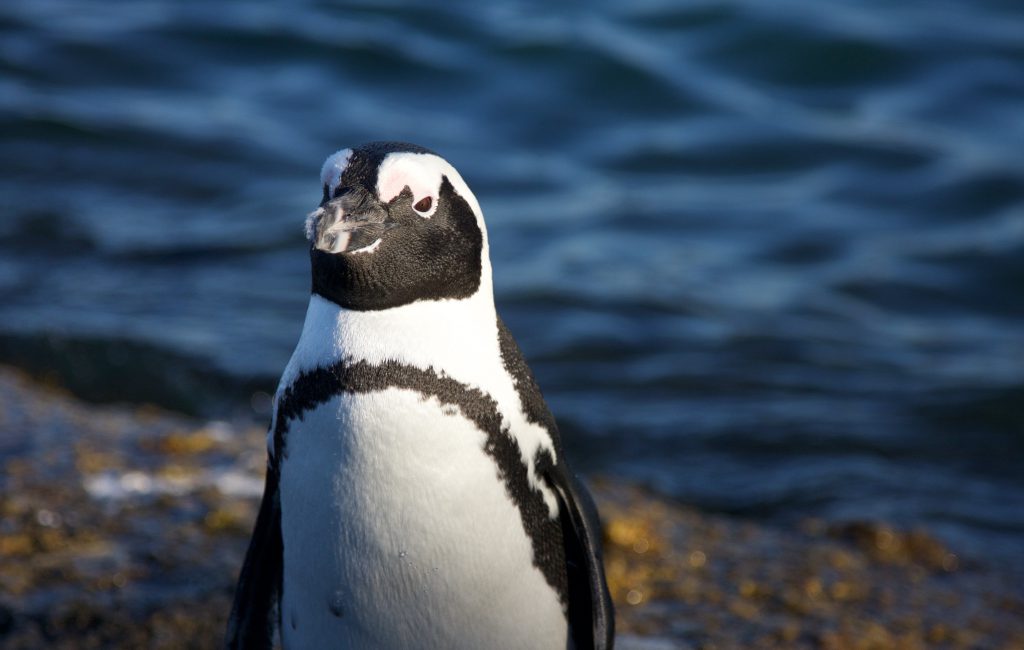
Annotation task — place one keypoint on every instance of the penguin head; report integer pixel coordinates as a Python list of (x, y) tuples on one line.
[(397, 224)]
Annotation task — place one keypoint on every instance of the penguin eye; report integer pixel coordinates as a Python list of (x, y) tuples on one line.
[(423, 204)]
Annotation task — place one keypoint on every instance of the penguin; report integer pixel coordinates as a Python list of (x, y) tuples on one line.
[(417, 493)]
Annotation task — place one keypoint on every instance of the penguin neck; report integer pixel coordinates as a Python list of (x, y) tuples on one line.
[(457, 337)]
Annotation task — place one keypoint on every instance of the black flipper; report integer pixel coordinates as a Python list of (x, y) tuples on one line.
[(253, 623), (591, 616)]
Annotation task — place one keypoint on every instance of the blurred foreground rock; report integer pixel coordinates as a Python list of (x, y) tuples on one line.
[(125, 528)]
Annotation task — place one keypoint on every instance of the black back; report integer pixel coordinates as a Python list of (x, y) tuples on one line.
[(591, 615), (252, 624)]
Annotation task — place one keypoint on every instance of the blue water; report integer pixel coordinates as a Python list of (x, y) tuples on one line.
[(766, 257)]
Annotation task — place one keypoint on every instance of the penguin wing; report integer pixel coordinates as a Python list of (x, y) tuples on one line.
[(591, 616), (253, 622)]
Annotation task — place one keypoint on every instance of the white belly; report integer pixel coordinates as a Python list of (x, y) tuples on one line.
[(402, 536)]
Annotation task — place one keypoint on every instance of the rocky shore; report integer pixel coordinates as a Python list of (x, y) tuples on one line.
[(124, 527)]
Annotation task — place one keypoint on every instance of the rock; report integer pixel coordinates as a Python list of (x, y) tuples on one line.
[(126, 528)]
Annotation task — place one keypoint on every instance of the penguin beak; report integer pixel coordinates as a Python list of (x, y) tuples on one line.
[(347, 223)]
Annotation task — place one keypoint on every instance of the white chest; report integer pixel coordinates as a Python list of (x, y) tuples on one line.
[(456, 338), (398, 533)]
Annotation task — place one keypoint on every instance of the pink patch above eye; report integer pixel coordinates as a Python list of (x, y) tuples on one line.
[(424, 204)]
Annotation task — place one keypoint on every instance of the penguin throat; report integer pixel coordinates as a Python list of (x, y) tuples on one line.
[(367, 283)]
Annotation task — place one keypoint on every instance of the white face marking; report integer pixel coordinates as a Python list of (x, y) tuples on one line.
[(366, 249), (310, 226), (421, 173), (334, 167), (330, 174)]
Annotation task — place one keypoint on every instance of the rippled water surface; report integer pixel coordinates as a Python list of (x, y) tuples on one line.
[(767, 257)]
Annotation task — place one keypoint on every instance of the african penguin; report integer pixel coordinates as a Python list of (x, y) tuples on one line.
[(417, 494)]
